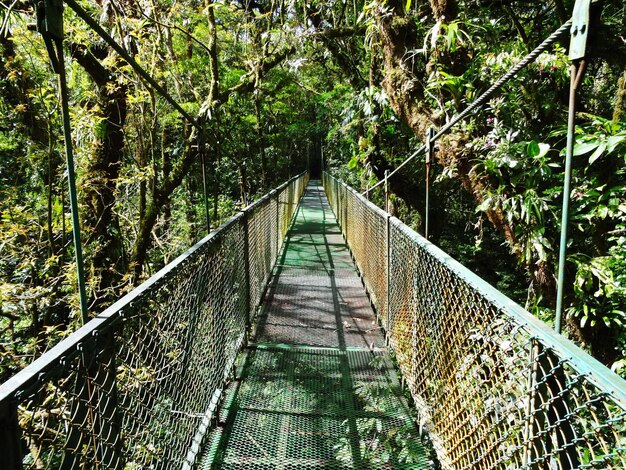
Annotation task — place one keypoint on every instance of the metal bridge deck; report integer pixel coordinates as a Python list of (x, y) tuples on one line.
[(317, 388)]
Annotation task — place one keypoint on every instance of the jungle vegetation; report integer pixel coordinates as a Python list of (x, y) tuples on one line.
[(279, 86)]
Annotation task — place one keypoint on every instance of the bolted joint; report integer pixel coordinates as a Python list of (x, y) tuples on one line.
[(430, 144), (580, 29), (50, 19)]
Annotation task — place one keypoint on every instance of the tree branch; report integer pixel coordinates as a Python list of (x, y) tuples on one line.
[(247, 80), (86, 58)]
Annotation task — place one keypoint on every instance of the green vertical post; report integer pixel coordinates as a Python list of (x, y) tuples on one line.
[(246, 264), (580, 31), (71, 180), (387, 259), (50, 25), (565, 207), (429, 152), (388, 239)]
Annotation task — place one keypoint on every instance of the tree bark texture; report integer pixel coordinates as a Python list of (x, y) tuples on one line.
[(100, 175), (406, 96)]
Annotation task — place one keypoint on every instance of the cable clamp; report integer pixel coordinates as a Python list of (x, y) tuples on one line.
[(580, 30)]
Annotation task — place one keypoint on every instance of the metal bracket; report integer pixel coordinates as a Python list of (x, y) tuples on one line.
[(580, 29), (50, 26), (430, 134), (50, 18)]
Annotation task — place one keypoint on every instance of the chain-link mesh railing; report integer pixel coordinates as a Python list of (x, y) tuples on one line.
[(137, 387), (495, 387)]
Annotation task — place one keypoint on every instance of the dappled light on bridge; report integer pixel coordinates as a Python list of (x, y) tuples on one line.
[(273, 343)]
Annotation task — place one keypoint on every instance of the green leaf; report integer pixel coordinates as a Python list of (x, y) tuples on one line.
[(585, 147), (533, 148), (485, 205), (614, 141), (353, 163), (597, 154), (435, 35), (543, 150), (407, 7), (451, 36)]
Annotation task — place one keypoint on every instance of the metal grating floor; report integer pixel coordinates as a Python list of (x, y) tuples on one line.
[(317, 388)]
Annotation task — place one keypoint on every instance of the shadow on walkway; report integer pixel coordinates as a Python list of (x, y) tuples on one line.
[(317, 388)]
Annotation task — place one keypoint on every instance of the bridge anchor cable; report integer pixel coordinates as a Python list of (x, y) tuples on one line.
[(482, 99)]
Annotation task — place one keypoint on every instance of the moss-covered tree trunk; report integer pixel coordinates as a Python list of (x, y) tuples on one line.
[(404, 83), (99, 178), (619, 111), (404, 86)]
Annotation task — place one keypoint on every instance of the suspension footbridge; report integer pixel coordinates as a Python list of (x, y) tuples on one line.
[(314, 332)]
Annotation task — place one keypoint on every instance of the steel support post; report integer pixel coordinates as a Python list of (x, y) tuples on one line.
[(578, 43), (388, 239), (430, 145), (50, 26), (246, 262)]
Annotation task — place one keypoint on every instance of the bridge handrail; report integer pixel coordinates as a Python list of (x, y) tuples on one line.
[(470, 355), (584, 363), (89, 359), (70, 346)]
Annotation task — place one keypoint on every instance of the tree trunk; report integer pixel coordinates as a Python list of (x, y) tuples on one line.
[(99, 178), (160, 200), (404, 88), (243, 184), (619, 112), (444, 9), (259, 134), (16, 92)]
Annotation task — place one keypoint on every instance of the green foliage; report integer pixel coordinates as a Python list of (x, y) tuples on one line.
[(529, 192), (37, 276), (599, 289), (601, 138), (448, 37), (510, 154)]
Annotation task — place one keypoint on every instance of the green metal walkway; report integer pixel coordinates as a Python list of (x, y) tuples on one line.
[(317, 388), (148, 383)]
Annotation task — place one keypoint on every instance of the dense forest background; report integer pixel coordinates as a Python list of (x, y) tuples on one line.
[(278, 86)]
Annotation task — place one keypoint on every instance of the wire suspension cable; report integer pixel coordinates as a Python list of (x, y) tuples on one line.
[(132, 62), (482, 99)]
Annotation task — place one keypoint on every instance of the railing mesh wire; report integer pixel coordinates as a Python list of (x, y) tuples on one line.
[(495, 388), (137, 387)]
